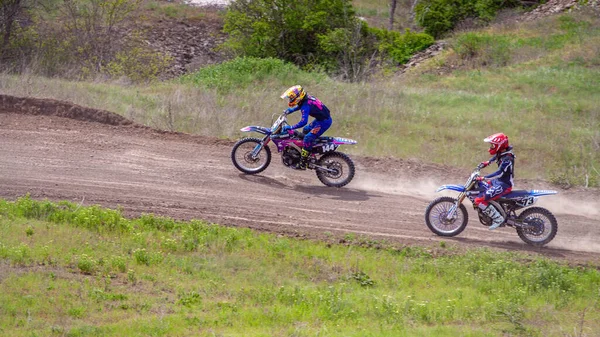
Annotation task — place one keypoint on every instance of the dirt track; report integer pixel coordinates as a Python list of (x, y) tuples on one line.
[(185, 177)]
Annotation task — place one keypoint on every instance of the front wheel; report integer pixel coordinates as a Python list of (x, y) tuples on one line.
[(541, 226), (436, 217), (338, 169), (245, 160)]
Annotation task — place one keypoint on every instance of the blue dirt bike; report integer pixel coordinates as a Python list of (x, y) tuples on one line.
[(447, 216)]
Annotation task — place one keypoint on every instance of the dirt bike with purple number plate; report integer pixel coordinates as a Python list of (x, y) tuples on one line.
[(253, 155), (447, 216)]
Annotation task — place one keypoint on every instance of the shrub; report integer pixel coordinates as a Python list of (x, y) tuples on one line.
[(350, 52), (86, 264), (284, 29), (138, 64), (440, 16), (400, 47)]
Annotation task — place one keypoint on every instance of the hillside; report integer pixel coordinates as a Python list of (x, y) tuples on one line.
[(192, 41)]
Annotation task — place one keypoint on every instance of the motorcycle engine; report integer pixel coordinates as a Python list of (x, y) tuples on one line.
[(290, 156), (484, 219)]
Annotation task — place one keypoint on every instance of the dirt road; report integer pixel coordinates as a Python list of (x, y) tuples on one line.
[(184, 177)]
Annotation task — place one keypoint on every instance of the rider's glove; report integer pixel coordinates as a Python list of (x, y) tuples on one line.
[(285, 128), (480, 178), (483, 164), (288, 111)]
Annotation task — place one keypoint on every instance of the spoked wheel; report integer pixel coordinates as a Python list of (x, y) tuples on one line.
[(540, 226), (436, 217), (339, 169), (244, 158)]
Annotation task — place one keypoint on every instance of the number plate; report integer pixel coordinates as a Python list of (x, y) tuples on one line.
[(325, 148)]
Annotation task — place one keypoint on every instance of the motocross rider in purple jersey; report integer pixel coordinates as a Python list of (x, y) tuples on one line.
[(501, 182), (298, 99)]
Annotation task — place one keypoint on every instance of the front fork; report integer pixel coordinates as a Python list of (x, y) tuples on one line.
[(452, 211), (260, 146)]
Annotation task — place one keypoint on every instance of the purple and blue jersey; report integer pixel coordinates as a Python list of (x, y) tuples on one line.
[(311, 107)]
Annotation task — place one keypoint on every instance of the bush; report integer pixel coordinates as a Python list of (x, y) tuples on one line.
[(285, 29), (138, 64), (440, 16), (322, 35), (350, 52), (400, 47)]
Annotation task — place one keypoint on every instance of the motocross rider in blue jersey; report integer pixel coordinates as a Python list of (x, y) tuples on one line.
[(298, 99), (501, 182)]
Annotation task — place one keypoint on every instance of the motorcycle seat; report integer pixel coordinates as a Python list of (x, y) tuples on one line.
[(516, 194), (324, 139)]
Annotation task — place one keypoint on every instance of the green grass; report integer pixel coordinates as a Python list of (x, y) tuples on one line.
[(542, 88), (248, 72), (68, 270)]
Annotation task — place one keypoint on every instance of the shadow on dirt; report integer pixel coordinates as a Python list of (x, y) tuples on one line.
[(332, 193)]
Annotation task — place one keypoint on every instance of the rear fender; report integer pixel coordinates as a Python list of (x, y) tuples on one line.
[(342, 141), (457, 188), (254, 128), (539, 193), (531, 198)]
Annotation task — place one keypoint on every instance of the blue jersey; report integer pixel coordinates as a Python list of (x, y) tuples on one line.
[(506, 167), (312, 107)]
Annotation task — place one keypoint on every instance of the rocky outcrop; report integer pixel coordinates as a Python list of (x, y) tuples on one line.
[(557, 6), (190, 44), (423, 55)]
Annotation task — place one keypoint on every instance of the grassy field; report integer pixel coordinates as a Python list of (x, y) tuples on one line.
[(67, 270), (539, 82)]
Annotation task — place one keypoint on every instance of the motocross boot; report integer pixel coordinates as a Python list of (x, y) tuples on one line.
[(497, 218), (303, 160)]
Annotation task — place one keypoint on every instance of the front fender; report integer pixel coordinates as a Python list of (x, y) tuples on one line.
[(254, 128), (457, 188)]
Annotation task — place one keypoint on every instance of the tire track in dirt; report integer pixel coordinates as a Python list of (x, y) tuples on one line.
[(183, 176)]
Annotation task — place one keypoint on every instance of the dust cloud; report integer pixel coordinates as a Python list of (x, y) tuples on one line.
[(419, 188), (558, 204)]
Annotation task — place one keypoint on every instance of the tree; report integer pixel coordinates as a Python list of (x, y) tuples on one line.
[(392, 12), (98, 28), (285, 29), (9, 12)]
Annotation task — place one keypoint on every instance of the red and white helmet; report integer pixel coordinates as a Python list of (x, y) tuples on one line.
[(498, 143)]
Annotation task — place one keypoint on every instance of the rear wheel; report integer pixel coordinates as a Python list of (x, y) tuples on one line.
[(243, 159), (436, 217), (540, 226), (340, 169)]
